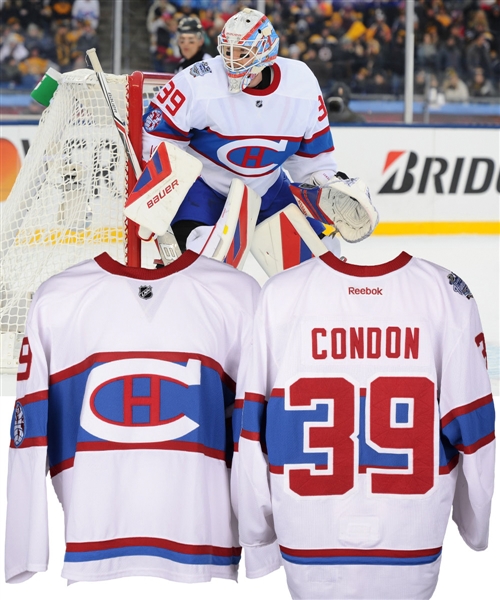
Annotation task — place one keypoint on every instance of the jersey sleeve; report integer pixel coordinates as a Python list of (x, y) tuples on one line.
[(168, 117), (27, 543), (316, 150), (468, 429), (251, 491)]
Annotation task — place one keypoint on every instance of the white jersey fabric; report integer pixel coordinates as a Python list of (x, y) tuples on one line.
[(248, 135), (368, 413), (126, 388)]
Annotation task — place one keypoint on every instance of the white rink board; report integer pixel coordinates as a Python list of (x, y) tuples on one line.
[(462, 155)]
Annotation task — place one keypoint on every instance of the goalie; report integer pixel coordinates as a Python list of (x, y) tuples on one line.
[(249, 117)]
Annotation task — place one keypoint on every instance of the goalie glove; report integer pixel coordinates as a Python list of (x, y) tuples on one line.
[(344, 203), (161, 188)]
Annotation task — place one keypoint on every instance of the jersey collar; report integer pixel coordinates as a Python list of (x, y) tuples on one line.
[(112, 266), (272, 87), (366, 270)]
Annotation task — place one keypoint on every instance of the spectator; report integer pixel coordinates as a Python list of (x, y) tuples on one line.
[(60, 10), (13, 47), (450, 56), (477, 55), (379, 29), (191, 42), (454, 88), (10, 75), (86, 10), (337, 102), (65, 45), (162, 27), (37, 38), (427, 53), (480, 86)]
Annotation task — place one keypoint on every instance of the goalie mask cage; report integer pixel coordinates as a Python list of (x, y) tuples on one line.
[(66, 204)]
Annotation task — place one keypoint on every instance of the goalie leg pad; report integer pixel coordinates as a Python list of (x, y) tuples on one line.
[(161, 188), (231, 237), (284, 240)]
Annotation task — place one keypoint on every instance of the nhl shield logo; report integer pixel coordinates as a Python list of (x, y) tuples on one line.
[(258, 103), (459, 285), (145, 292)]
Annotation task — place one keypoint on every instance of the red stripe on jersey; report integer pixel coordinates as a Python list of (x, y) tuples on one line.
[(155, 542), (278, 392), (290, 241), (62, 466), (30, 442), (166, 445), (317, 135), (250, 435), (465, 409), (238, 403), (255, 398), (326, 552), (273, 138), (450, 466), (479, 444), (35, 397), (277, 469)]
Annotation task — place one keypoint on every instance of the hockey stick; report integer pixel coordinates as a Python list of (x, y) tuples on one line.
[(166, 244)]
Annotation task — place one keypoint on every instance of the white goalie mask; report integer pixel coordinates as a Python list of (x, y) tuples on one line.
[(247, 44)]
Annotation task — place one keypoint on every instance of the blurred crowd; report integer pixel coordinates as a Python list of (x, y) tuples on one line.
[(359, 44), (38, 34)]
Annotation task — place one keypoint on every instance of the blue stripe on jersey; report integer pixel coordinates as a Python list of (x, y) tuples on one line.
[(317, 145), (189, 559), (237, 420), (447, 452), (362, 560), (205, 404), (285, 433), (254, 416), (468, 429)]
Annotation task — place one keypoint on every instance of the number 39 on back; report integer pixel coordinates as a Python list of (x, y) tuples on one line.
[(388, 432)]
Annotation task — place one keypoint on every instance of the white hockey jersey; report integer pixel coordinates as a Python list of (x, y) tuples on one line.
[(368, 413), (126, 388), (248, 135)]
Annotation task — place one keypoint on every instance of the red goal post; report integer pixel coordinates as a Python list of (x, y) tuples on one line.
[(66, 204)]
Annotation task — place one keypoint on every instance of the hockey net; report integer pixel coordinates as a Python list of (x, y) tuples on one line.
[(67, 201)]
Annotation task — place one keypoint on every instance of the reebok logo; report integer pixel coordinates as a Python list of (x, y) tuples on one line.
[(365, 291), (162, 193)]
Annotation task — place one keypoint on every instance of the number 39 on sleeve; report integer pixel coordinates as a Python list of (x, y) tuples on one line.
[(170, 98)]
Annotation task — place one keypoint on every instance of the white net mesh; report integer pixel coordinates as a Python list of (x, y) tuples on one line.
[(67, 202)]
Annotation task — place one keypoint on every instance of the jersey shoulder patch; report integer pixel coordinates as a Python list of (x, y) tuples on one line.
[(459, 285), (200, 68)]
